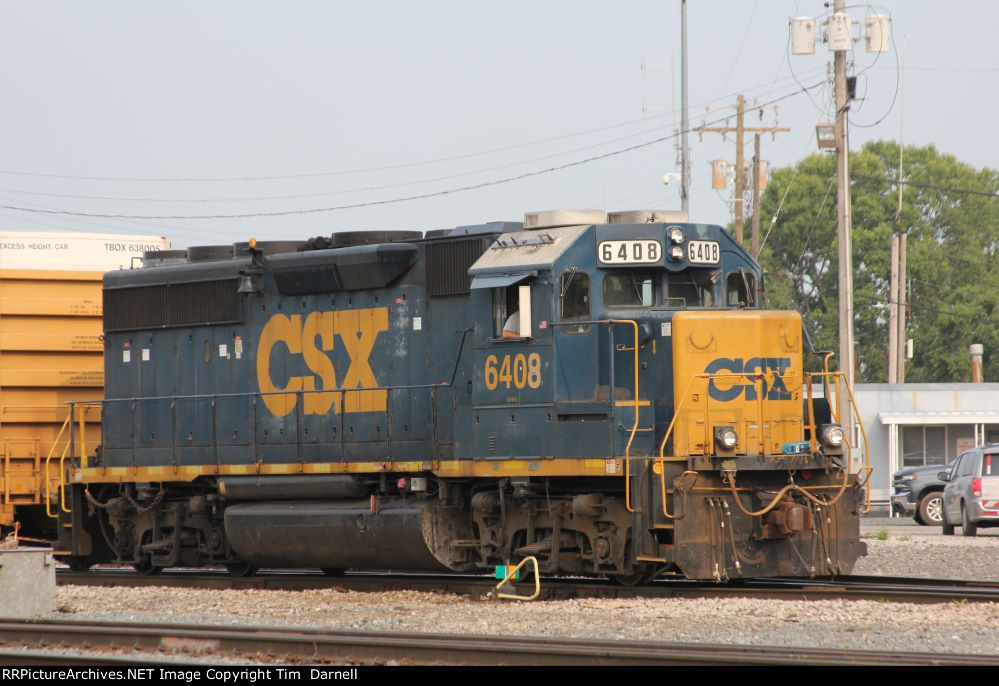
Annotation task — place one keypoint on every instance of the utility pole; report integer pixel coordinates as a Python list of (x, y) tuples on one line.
[(756, 198), (685, 153), (740, 182), (900, 300), (741, 130), (838, 35), (844, 228)]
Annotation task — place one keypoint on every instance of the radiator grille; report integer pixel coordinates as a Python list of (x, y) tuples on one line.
[(201, 303), (448, 263)]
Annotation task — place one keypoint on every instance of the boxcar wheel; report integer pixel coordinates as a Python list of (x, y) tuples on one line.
[(968, 528)]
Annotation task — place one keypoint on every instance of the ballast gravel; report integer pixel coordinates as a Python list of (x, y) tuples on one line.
[(861, 625)]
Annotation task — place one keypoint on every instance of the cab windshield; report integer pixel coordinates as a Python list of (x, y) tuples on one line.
[(691, 288), (629, 289)]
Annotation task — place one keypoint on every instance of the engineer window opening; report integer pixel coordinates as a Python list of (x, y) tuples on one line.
[(512, 312)]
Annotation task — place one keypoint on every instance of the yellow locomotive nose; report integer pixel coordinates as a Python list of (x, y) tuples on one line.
[(736, 373)]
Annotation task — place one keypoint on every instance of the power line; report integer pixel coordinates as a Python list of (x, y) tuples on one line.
[(344, 191), (742, 45), (929, 186), (390, 167), (390, 201)]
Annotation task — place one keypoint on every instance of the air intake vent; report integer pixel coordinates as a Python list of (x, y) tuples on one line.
[(448, 263), (311, 278), (200, 303)]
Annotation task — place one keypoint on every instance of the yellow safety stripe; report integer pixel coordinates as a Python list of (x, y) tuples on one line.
[(443, 468)]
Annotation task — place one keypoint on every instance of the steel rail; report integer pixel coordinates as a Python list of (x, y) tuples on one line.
[(908, 590), (356, 647)]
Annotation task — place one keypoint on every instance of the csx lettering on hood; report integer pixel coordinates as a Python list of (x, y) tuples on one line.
[(357, 331), (771, 384)]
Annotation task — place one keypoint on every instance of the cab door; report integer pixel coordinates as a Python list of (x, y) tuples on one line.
[(584, 411), (512, 387)]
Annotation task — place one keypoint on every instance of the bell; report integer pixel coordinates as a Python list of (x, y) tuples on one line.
[(250, 282)]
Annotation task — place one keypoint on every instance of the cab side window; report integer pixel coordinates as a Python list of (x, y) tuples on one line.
[(512, 312), (740, 289), (574, 303)]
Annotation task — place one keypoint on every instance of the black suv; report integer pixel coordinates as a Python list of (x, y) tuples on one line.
[(918, 492)]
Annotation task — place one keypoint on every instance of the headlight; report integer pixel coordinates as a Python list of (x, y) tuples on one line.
[(832, 435), (676, 252), (909, 477), (676, 235), (726, 438)]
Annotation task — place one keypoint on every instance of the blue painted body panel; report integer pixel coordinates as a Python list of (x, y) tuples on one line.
[(190, 395)]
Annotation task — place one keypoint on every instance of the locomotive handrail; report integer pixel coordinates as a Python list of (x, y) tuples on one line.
[(48, 459), (254, 395)]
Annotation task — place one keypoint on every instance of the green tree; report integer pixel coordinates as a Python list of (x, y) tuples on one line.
[(953, 250)]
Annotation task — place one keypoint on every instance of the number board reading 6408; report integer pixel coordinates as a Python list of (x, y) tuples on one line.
[(703, 252), (630, 252)]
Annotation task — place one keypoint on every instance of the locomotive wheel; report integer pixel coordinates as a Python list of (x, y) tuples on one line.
[(241, 569), (146, 568), (79, 563), (637, 578), (333, 571)]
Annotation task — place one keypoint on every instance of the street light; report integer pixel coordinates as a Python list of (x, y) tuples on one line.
[(825, 136)]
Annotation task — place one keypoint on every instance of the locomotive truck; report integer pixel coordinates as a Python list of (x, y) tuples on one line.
[(352, 402)]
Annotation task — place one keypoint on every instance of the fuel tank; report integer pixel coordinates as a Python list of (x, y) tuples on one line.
[(392, 535)]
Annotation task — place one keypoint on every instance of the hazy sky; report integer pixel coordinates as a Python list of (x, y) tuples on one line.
[(205, 90)]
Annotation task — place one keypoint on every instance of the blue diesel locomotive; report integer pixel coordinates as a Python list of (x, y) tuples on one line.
[(604, 393)]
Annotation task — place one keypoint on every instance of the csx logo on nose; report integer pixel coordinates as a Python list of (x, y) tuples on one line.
[(357, 330), (771, 385)]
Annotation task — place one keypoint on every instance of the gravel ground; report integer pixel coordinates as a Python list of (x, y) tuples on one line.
[(930, 556), (962, 628)]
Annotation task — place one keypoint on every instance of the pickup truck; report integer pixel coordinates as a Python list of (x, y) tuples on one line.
[(918, 493)]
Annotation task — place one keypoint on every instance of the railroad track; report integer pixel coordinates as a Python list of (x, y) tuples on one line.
[(43, 643), (853, 588)]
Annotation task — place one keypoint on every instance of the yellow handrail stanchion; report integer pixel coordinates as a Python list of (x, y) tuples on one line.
[(48, 459), (511, 574), (83, 434), (62, 479), (634, 428)]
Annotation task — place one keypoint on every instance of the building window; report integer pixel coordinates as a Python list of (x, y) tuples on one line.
[(924, 445)]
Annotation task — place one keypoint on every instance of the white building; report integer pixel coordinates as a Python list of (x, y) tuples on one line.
[(915, 424)]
